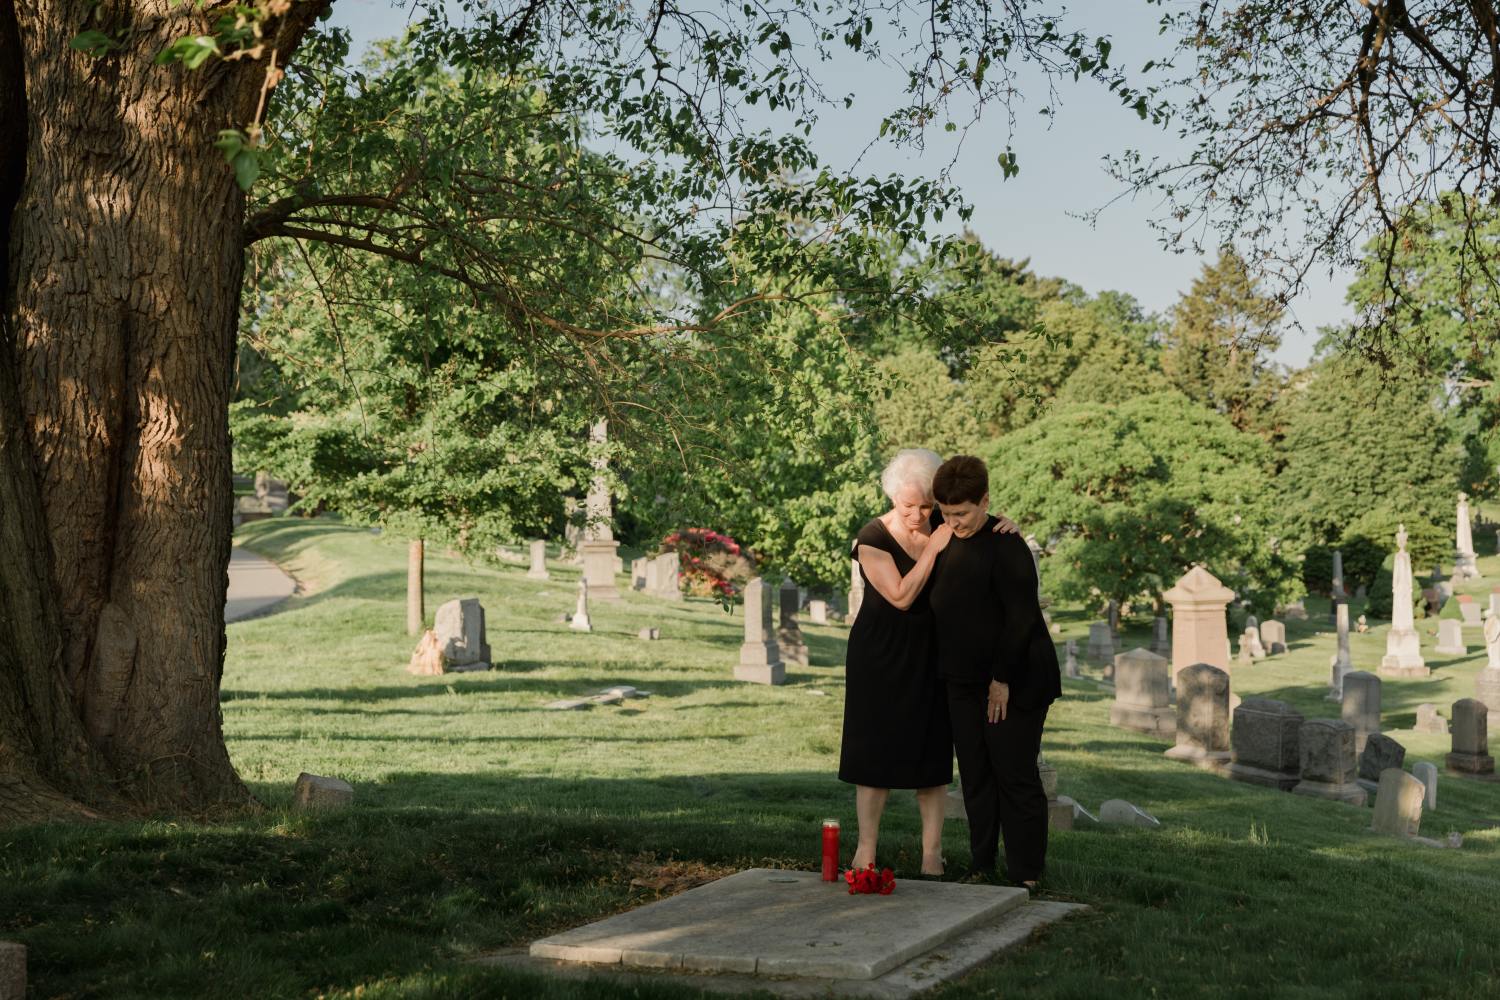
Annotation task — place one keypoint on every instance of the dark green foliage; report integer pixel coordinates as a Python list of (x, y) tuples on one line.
[(1451, 611), (1127, 498), (1362, 451)]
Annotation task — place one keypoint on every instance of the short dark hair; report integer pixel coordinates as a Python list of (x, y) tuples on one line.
[(961, 479)]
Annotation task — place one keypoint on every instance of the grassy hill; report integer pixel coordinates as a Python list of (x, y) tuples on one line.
[(484, 820)]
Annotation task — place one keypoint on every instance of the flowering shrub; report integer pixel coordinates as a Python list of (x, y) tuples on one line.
[(868, 880), (712, 563)]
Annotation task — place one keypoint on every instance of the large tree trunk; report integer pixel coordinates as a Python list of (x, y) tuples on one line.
[(120, 307)]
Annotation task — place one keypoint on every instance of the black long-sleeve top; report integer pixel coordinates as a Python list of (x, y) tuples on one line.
[(989, 624)]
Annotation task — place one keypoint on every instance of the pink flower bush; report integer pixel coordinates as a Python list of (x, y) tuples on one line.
[(708, 559)]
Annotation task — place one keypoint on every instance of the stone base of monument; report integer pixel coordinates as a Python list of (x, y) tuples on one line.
[(1470, 763), (1151, 721), (1249, 774), (760, 673), (791, 934), (1388, 669), (1350, 792), (1209, 760)]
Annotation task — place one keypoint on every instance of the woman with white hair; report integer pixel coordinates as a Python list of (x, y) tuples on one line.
[(896, 732)]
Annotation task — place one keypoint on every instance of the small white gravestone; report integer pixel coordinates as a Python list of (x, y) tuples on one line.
[(817, 612), (1273, 637), (538, 570), (1071, 665), (314, 791), (668, 576), (580, 620), (1451, 637), (1398, 804), (1118, 812), (638, 573), (1427, 774), (1428, 719), (650, 633)]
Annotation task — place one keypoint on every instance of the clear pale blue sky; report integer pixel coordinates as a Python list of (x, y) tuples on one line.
[(1061, 168)]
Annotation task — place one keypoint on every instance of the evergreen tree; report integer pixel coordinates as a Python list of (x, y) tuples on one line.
[(1217, 349)]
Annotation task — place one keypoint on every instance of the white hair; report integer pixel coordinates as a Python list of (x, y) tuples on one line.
[(910, 467)]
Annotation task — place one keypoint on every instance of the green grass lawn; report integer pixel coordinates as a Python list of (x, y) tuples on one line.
[(483, 821)]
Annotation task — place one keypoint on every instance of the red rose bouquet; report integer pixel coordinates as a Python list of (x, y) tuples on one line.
[(868, 880)]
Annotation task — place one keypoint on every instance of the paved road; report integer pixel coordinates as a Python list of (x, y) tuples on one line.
[(255, 585)]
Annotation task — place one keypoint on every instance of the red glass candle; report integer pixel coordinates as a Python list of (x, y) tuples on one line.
[(830, 850)]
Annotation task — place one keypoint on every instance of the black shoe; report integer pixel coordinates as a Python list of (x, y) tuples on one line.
[(976, 876)]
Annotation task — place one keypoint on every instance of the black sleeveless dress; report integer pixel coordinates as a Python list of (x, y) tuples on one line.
[(896, 731)]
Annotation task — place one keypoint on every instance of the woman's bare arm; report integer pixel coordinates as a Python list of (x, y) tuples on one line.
[(901, 591)]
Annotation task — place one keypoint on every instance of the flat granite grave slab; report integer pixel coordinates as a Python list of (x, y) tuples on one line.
[(942, 962), (768, 922)]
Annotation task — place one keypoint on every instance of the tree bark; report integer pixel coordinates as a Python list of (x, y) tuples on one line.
[(120, 310), (416, 613)]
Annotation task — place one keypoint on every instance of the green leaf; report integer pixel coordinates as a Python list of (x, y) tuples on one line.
[(246, 168), (230, 142), (93, 43)]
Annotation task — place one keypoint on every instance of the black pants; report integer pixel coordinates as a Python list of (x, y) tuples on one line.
[(1002, 789)]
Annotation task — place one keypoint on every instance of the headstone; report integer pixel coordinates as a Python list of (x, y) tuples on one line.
[(1361, 705), (817, 612), (1470, 609), (459, 625), (1202, 717), (1264, 743), (653, 575), (1295, 612), (1161, 637), (856, 590), (1471, 742), (1328, 768), (1380, 752), (1492, 642), (1250, 641), (1341, 663), (1141, 696), (1042, 600), (315, 792), (1427, 774), (538, 569), (1398, 804), (1118, 812), (1070, 666), (668, 576), (1360, 625), (1428, 719), (650, 633), (1101, 647), (12, 970), (1080, 815), (638, 573), (1495, 595), (760, 659), (272, 493), (1273, 636), (1337, 592), (789, 632), (1403, 649), (1200, 631), (580, 621), (1451, 637), (1464, 566)]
